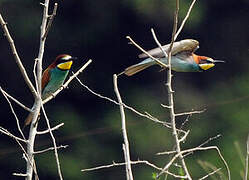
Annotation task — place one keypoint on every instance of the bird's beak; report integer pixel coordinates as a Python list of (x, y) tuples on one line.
[(218, 61), (73, 58)]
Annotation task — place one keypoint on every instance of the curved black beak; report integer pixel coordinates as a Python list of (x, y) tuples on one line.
[(219, 61), (73, 58)]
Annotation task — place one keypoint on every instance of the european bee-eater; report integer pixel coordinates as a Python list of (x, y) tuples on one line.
[(53, 78), (183, 58)]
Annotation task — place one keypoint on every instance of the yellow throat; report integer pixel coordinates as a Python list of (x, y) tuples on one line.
[(65, 66), (206, 66)]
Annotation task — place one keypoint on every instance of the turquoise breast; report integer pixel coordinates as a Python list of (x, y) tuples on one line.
[(57, 78)]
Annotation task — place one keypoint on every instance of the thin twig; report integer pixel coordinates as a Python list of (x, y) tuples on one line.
[(146, 115), (210, 174), (50, 149), (19, 174), (207, 166), (184, 137), (15, 100), (50, 21), (67, 82), (202, 144), (114, 164), (47, 131), (206, 142), (210, 139), (189, 113), (16, 56), (129, 175), (139, 47), (166, 106), (54, 143), (185, 19), (198, 149), (28, 160), (34, 72), (6, 132), (247, 158), (13, 112), (166, 124)]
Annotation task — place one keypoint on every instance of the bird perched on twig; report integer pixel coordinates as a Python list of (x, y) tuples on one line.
[(53, 78), (183, 58)]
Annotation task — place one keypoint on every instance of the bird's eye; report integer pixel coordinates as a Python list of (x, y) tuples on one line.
[(203, 61)]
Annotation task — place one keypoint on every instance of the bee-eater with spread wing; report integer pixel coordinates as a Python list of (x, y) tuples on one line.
[(183, 58), (53, 78)]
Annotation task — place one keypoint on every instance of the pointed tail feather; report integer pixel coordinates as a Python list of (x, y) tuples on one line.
[(137, 68), (28, 120)]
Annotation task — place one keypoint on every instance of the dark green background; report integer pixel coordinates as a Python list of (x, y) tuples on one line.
[(97, 30)]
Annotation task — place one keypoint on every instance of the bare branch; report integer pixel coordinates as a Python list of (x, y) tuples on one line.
[(204, 143), (210, 174), (198, 149), (247, 158), (50, 21), (139, 47), (207, 166), (129, 175), (16, 56), (166, 106), (38, 100), (146, 115), (14, 99), (210, 139), (13, 112), (52, 129), (34, 72), (166, 153), (185, 19), (6, 132), (169, 88), (67, 82), (54, 143), (184, 137), (165, 124), (50, 149), (189, 113), (114, 164), (19, 174)]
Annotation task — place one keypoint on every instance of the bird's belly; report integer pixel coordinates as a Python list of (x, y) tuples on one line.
[(54, 84), (182, 66)]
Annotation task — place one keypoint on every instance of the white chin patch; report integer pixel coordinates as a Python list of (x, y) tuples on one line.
[(67, 57)]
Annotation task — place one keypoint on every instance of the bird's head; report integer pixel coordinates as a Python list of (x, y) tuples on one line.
[(206, 63), (64, 61)]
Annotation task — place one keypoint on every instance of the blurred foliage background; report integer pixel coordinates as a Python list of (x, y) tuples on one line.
[(97, 30)]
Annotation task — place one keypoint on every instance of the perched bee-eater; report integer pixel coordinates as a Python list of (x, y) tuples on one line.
[(53, 78), (183, 58)]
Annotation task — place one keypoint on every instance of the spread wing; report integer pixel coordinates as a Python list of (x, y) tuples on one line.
[(189, 45), (45, 78), (185, 56)]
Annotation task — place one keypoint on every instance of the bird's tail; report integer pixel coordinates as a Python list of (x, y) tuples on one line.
[(28, 120), (138, 67)]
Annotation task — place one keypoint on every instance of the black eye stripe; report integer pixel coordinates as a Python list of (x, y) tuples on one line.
[(62, 60), (203, 61)]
